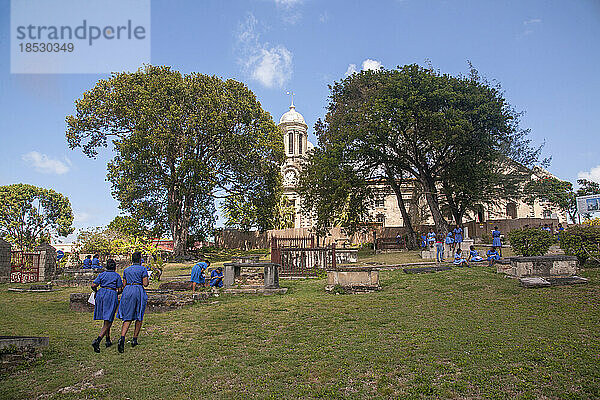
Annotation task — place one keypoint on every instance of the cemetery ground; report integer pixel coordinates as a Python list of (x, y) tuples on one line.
[(464, 333)]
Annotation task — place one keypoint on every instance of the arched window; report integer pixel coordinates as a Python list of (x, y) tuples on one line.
[(300, 142), (547, 214), (480, 213), (291, 143), (511, 210)]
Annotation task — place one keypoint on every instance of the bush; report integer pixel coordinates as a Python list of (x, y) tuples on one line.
[(530, 242), (582, 241), (486, 238)]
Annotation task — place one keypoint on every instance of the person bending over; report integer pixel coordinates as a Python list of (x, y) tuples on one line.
[(459, 260), (197, 277)]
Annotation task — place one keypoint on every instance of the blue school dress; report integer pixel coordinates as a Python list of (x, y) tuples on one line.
[(475, 256), (493, 255), (96, 263), (134, 297), (107, 299), (458, 235), (431, 237), (198, 272), (214, 278), (87, 263), (459, 259), (423, 241), (496, 238), (449, 238)]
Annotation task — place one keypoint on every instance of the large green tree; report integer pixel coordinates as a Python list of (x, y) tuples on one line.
[(30, 215), (452, 134), (180, 142)]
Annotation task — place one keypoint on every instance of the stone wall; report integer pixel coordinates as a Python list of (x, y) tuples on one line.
[(4, 261), (354, 279)]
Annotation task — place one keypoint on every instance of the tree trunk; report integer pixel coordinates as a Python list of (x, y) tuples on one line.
[(412, 236), (430, 190)]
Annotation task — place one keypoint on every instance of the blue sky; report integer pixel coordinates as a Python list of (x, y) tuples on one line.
[(544, 53)]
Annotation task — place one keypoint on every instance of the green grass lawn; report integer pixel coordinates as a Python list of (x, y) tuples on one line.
[(465, 333)]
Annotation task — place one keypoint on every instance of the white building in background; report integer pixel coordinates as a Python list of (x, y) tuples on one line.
[(296, 145), (384, 209)]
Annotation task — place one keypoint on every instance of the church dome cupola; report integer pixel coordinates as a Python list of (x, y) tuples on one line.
[(292, 116)]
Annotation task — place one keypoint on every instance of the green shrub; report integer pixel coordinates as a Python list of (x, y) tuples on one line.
[(530, 242), (582, 241)]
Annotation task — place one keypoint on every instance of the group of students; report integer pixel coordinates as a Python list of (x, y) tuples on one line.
[(91, 262), (453, 241), (107, 286), (197, 278)]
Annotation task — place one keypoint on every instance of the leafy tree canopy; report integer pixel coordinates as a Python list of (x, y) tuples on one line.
[(29, 215), (180, 142), (450, 133)]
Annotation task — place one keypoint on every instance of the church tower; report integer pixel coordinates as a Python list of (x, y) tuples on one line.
[(296, 144)]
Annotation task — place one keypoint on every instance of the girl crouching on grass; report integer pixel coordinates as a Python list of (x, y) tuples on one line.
[(106, 287)]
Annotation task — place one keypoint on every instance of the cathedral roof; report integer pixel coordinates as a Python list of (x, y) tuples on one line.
[(292, 116)]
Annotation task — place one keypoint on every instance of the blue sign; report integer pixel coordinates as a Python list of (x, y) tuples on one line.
[(60, 254)]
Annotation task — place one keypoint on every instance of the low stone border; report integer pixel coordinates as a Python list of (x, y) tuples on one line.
[(17, 350), (537, 282)]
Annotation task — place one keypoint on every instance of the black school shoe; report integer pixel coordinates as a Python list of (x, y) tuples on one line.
[(96, 346), (134, 342), (108, 344), (121, 346)]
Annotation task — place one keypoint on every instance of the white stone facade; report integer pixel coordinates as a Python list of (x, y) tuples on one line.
[(384, 209)]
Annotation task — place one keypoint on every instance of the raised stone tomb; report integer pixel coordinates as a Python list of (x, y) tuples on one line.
[(542, 266), (353, 279)]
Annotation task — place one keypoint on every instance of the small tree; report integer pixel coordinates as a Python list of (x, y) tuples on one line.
[(30, 214), (530, 242)]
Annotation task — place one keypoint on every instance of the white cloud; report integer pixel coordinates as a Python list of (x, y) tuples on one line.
[(324, 17), (529, 25), (44, 164), (591, 175), (81, 216), (351, 69), (367, 65), (371, 65), (532, 21), (288, 3), (271, 65)]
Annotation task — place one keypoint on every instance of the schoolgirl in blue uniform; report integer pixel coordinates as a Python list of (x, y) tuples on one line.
[(431, 237), (133, 300), (459, 260), (449, 244), (87, 262), (492, 256), (474, 255), (107, 287), (496, 242), (458, 236), (216, 278), (96, 262), (197, 277)]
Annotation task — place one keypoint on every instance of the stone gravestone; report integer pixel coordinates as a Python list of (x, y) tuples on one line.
[(4, 261), (47, 261)]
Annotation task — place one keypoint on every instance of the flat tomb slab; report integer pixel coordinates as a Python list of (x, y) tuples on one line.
[(536, 282), (421, 270), (23, 341)]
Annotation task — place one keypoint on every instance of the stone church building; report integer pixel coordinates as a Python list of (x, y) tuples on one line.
[(384, 210)]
